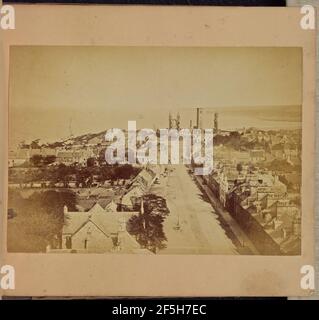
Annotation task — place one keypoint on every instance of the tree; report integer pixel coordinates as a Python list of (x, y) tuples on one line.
[(125, 171), (39, 219), (147, 227), (155, 204), (36, 160), (49, 159), (83, 177), (90, 162), (63, 174), (148, 230)]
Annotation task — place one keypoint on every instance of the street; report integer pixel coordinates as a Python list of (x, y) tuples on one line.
[(192, 227)]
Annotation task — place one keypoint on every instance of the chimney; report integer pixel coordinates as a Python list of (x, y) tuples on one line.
[(65, 209)]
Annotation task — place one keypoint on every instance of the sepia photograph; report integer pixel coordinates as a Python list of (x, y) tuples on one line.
[(157, 152), (107, 143)]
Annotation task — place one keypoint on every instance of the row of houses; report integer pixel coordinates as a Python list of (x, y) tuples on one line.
[(139, 186), (282, 146), (292, 137), (260, 203), (72, 150), (62, 155), (289, 153)]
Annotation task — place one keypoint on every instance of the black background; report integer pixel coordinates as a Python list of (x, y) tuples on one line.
[(263, 3)]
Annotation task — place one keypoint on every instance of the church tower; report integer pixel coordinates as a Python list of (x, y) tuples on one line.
[(174, 122), (216, 122)]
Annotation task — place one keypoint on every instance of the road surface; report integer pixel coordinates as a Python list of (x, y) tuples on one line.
[(192, 226)]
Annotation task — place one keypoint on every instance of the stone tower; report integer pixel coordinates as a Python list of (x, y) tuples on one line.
[(216, 122), (174, 122), (199, 118)]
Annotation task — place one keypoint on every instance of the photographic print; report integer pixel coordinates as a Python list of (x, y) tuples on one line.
[(158, 152), (155, 150)]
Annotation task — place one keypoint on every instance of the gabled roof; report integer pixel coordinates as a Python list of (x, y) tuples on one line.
[(136, 191), (87, 204), (107, 222), (112, 206), (96, 208), (73, 221)]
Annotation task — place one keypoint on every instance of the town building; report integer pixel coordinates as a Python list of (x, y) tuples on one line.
[(19, 157), (139, 186), (97, 231), (260, 203), (69, 157)]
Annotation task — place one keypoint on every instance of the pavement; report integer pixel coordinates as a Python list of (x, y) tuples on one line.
[(243, 243)]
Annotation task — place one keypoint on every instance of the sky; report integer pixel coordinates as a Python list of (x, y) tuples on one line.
[(58, 90)]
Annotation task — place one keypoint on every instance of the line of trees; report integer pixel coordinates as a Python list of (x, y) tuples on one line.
[(38, 160), (82, 176)]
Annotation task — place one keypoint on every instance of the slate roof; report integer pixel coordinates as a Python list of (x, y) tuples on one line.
[(107, 222)]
